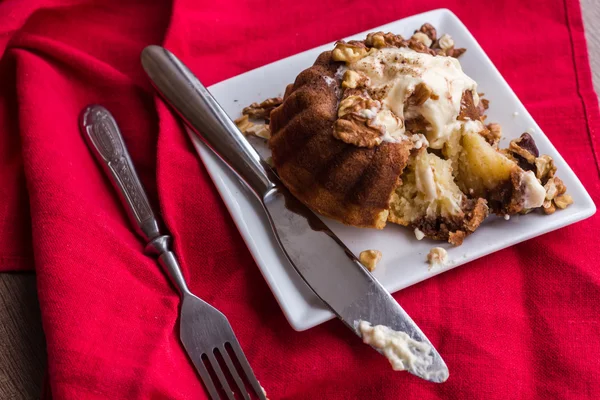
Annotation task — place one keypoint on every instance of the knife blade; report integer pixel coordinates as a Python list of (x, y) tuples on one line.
[(327, 266)]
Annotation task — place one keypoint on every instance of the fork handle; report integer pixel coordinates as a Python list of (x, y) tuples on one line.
[(104, 138)]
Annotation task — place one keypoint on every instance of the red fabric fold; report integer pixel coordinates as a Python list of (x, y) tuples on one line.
[(521, 323)]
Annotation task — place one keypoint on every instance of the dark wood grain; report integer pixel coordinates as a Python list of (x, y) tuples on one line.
[(22, 351), (22, 346)]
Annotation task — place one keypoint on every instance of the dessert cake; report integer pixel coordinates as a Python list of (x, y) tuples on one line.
[(392, 129)]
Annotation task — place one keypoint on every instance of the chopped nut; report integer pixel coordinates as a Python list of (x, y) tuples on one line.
[(423, 38), (485, 103), (545, 168), (380, 40), (429, 30), (468, 110), (243, 123), (551, 190), (492, 134), (349, 52), (262, 110), (523, 151), (421, 94), (354, 103), (353, 124), (370, 258), (420, 47), (446, 42), (455, 52), (548, 207), (353, 79), (555, 195), (437, 256), (353, 130), (563, 201), (259, 130), (496, 129)]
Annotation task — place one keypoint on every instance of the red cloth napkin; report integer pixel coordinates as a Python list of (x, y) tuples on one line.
[(521, 323)]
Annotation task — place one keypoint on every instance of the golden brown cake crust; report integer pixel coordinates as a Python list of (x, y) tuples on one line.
[(342, 181)]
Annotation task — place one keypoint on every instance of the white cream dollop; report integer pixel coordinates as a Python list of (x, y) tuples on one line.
[(398, 71), (425, 180), (403, 352), (534, 193)]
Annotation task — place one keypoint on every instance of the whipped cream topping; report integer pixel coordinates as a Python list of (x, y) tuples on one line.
[(397, 72), (403, 352)]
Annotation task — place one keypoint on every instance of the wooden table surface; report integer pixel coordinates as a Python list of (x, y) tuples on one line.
[(22, 346)]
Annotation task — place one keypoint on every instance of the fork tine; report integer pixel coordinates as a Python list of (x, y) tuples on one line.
[(220, 375), (208, 382), (234, 373), (247, 369)]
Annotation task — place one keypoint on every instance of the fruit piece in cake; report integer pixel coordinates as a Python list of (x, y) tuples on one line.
[(429, 199), (485, 172)]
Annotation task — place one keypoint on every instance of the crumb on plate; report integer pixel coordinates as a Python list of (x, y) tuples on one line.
[(437, 257), (370, 258)]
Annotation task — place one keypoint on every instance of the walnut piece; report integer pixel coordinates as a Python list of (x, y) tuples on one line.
[(355, 103), (370, 258), (492, 134), (421, 94), (353, 129), (556, 195), (523, 147), (485, 103), (247, 127), (548, 207), (259, 130), (554, 187), (437, 257), (381, 40), (243, 123), (446, 42), (420, 47), (349, 52), (545, 168), (262, 110), (423, 38), (353, 124), (428, 30), (455, 52), (353, 79), (563, 201)]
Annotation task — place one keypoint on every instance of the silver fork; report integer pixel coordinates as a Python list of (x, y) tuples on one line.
[(204, 331)]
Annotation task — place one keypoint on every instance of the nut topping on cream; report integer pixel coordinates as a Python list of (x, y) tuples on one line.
[(417, 85)]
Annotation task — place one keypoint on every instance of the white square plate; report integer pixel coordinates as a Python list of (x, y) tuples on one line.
[(403, 263)]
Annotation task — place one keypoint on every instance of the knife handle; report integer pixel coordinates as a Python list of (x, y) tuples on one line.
[(103, 137), (201, 112)]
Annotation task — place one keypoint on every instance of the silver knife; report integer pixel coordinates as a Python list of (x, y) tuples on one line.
[(321, 259)]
